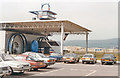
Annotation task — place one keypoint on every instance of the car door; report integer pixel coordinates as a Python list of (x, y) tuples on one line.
[(29, 60)]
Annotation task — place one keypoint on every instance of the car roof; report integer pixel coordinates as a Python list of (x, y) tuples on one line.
[(23, 55), (30, 52), (89, 54)]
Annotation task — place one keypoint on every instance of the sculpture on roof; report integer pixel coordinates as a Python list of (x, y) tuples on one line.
[(44, 14)]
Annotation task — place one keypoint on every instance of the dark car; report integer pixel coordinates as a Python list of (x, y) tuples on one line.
[(71, 57), (108, 58), (56, 56)]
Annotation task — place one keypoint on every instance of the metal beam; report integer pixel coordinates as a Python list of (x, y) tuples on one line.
[(62, 34), (86, 42)]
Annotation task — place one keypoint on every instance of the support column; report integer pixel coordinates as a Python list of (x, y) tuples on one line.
[(86, 42), (62, 34), (2, 41)]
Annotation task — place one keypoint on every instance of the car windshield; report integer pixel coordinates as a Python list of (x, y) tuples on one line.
[(69, 55), (42, 55), (107, 55), (87, 55), (32, 58), (7, 57)]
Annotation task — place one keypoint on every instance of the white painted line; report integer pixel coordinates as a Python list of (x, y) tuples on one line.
[(58, 63), (71, 64), (52, 71), (90, 65), (107, 66), (91, 73), (78, 69)]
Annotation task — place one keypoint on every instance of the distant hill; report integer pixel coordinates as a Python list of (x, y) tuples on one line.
[(109, 43)]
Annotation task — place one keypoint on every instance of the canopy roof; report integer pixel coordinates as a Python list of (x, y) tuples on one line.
[(43, 27)]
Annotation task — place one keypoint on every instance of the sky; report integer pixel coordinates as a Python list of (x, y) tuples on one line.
[(100, 16)]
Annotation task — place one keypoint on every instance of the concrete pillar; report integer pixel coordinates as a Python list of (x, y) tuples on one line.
[(62, 36), (2, 41), (86, 42)]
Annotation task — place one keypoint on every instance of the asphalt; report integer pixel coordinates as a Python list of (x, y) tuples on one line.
[(71, 69)]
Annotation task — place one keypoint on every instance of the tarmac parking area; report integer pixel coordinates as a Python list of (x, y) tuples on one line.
[(71, 69)]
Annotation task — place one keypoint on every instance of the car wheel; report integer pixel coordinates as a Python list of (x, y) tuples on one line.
[(30, 69), (35, 69), (21, 72), (75, 61), (2, 76), (93, 62), (96, 61), (102, 63), (64, 61), (113, 63), (10, 71), (44, 67), (82, 62)]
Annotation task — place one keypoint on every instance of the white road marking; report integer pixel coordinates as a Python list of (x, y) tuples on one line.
[(58, 63), (71, 64), (90, 65), (52, 71), (79, 69), (107, 66), (91, 73)]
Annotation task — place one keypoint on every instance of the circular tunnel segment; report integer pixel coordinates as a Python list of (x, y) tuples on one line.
[(17, 44), (40, 45)]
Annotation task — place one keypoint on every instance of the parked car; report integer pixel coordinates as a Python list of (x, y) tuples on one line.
[(15, 66), (4, 70), (35, 63), (56, 56), (71, 57), (89, 58), (48, 61), (108, 58)]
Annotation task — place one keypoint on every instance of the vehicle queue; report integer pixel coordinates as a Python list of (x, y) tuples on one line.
[(33, 61)]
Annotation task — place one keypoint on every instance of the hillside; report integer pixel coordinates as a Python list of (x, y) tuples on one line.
[(109, 43)]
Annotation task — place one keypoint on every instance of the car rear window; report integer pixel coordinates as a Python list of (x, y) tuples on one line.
[(7, 57), (87, 55), (70, 55), (107, 55), (32, 58)]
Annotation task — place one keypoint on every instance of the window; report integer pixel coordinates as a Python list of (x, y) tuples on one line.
[(88, 56), (53, 43), (6, 57), (31, 58)]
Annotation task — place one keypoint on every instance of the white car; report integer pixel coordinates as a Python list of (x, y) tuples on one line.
[(89, 58), (14, 66), (4, 70), (48, 61)]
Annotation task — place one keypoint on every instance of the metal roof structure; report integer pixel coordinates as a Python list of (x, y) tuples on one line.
[(43, 27)]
